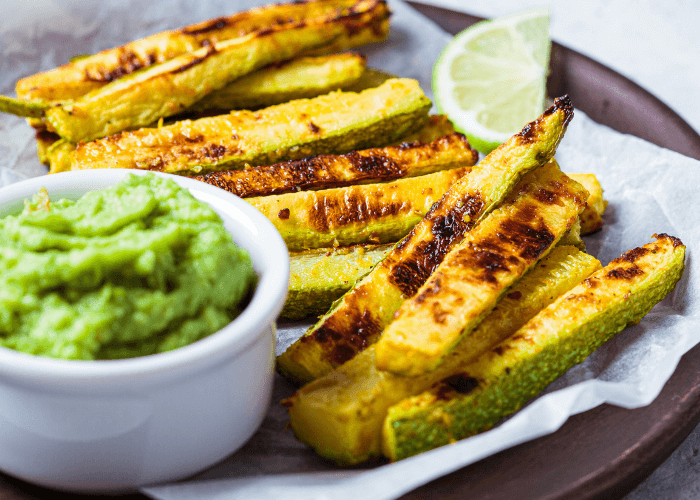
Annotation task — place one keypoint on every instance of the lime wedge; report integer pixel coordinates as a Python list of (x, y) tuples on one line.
[(490, 79)]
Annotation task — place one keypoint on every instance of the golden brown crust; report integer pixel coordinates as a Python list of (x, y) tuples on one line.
[(329, 171)]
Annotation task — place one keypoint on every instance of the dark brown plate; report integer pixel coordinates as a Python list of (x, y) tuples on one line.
[(599, 454)]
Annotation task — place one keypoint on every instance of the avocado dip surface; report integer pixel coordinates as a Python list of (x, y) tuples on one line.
[(139, 268)]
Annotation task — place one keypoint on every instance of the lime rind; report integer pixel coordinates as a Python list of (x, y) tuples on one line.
[(519, 74)]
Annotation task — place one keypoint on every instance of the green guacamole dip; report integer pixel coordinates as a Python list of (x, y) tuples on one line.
[(138, 268)]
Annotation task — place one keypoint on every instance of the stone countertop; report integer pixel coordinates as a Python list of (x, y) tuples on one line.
[(656, 45)]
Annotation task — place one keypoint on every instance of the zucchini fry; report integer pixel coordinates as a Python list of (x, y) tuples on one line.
[(44, 141), (341, 415), (300, 78), (165, 89), (74, 80), (377, 213), (477, 272), (18, 107), (592, 216), (335, 123), (358, 318), (320, 276), (503, 379), (328, 171)]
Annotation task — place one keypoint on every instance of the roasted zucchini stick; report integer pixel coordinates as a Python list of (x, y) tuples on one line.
[(356, 167), (320, 276), (168, 88), (358, 318), (471, 279), (375, 213), (335, 123), (72, 81), (592, 216), (436, 126), (503, 379), (341, 415), (300, 78)]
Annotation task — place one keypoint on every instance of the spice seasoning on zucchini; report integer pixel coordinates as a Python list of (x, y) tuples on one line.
[(563, 334), (358, 318), (341, 415), (364, 213), (134, 269), (320, 276), (357, 167), (88, 73), (478, 271), (335, 123)]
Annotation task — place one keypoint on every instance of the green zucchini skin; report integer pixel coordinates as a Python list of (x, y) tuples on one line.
[(357, 167), (165, 89), (377, 213), (358, 318), (18, 107), (318, 277), (373, 118), (503, 379), (341, 415), (92, 72), (301, 78)]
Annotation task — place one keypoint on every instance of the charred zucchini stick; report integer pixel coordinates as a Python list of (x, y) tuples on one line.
[(168, 88), (356, 167), (471, 279), (341, 415), (300, 78), (503, 379), (377, 213), (72, 81), (335, 123), (358, 318), (592, 216), (319, 277)]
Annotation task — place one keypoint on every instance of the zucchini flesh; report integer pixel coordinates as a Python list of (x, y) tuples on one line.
[(341, 415), (335, 123), (358, 318), (300, 78), (503, 379), (377, 213), (168, 88), (72, 81), (366, 166), (592, 216), (318, 277), (478, 271)]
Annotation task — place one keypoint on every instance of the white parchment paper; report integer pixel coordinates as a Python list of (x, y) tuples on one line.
[(650, 190)]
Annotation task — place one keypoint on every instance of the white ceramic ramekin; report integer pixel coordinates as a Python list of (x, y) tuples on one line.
[(106, 426)]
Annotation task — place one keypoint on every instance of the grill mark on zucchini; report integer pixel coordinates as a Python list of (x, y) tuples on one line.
[(197, 60), (411, 273), (329, 171), (79, 77)]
